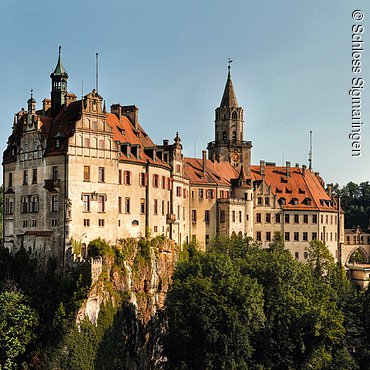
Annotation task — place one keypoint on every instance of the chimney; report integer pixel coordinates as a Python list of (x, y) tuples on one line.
[(165, 142), (297, 165), (329, 190), (262, 168), (287, 169), (116, 109), (204, 160), (132, 112), (303, 169)]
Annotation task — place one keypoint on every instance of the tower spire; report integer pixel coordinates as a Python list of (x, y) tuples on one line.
[(59, 90), (229, 97)]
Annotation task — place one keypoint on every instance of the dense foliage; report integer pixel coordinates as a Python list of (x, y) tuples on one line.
[(236, 306), (291, 316), (355, 201)]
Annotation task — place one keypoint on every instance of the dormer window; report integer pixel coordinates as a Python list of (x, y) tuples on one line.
[(307, 201), (288, 191), (282, 201), (294, 201), (57, 143), (284, 180)]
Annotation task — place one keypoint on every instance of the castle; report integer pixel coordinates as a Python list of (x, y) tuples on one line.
[(74, 172)]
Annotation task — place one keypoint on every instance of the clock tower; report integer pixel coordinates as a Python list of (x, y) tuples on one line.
[(229, 144)]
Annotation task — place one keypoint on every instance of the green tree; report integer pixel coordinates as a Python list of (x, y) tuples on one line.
[(213, 310), (18, 322)]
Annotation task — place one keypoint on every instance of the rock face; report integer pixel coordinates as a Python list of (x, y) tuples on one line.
[(138, 275)]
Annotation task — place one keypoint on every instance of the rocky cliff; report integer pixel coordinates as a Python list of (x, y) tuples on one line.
[(134, 276)]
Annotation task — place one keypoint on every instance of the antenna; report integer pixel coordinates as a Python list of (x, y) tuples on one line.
[(310, 153), (97, 72)]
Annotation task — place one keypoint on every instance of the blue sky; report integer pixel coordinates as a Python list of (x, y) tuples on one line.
[(291, 69)]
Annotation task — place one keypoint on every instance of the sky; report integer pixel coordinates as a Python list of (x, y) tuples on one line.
[(291, 69)]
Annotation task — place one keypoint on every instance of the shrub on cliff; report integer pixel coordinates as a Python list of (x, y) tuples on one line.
[(99, 247)]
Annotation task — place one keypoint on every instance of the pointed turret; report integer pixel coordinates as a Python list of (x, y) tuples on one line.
[(59, 69), (229, 98), (59, 91)]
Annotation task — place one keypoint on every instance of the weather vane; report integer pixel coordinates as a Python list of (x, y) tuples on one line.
[(229, 62)]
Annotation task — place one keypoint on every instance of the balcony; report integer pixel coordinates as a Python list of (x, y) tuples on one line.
[(52, 185), (170, 218)]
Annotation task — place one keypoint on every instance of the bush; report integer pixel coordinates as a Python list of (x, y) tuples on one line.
[(99, 247)]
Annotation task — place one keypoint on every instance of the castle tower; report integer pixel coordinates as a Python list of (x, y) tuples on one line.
[(59, 91), (31, 103), (229, 144)]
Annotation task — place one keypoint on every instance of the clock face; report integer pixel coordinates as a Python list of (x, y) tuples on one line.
[(235, 156)]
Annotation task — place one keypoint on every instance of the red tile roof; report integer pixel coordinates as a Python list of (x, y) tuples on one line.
[(296, 186)]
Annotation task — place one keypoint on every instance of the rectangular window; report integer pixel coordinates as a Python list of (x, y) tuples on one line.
[(206, 216), (287, 237), (54, 203), (87, 142), (86, 201), (258, 236), (142, 205), (296, 236), (267, 201), (101, 174), (54, 222), (86, 173), (127, 177), (155, 181), (184, 193), (305, 219), (178, 191), (155, 208), (25, 177), (268, 236), (268, 218), (296, 219), (127, 205), (258, 217), (101, 144), (287, 218), (143, 179), (296, 255), (278, 218), (240, 216), (314, 236), (101, 222), (222, 216), (55, 174), (259, 201), (34, 176), (194, 215), (314, 219), (200, 193), (305, 237), (163, 182), (86, 222), (183, 213), (163, 208), (305, 255), (34, 223), (178, 212), (233, 216), (10, 180), (119, 204), (120, 176), (25, 223)]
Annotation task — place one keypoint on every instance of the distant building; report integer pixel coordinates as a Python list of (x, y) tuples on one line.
[(74, 172)]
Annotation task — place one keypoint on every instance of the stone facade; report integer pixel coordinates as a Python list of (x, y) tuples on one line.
[(74, 172)]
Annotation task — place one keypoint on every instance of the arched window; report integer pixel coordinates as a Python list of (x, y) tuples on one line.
[(234, 135), (224, 136), (235, 115)]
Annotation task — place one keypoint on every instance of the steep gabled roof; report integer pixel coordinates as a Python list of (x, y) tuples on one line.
[(300, 191)]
